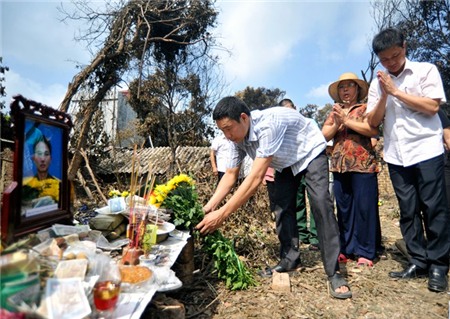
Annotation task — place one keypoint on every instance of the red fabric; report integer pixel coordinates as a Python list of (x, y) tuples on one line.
[(270, 175), (352, 152)]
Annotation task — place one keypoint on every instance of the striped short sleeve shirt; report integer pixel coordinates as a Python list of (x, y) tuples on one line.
[(292, 139)]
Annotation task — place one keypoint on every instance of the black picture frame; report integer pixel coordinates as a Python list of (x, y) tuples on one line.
[(31, 202)]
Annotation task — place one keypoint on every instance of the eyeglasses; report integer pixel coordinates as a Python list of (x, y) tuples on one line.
[(348, 85)]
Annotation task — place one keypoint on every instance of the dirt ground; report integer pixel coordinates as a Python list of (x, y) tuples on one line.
[(375, 295)]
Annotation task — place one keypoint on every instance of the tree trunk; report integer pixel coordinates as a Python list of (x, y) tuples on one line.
[(82, 140), (81, 78)]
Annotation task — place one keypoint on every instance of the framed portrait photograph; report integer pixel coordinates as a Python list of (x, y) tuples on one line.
[(40, 194), (42, 171)]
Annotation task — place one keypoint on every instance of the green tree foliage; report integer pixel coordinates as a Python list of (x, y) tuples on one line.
[(7, 131), (323, 113), (260, 98), (6, 127), (310, 111), (3, 70), (428, 36), (172, 107), (124, 35)]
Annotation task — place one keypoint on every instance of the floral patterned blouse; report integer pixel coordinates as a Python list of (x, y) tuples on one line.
[(352, 152)]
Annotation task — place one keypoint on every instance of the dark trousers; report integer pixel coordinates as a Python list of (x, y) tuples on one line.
[(307, 235), (271, 191), (219, 176), (356, 196), (286, 187), (424, 215), (447, 176)]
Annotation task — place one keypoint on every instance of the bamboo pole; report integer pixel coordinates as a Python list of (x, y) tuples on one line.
[(83, 153)]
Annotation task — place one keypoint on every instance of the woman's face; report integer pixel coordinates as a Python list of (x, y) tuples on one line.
[(42, 157), (348, 91)]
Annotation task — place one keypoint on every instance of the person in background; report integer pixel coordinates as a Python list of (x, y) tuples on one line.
[(354, 166), (406, 96), (269, 181), (219, 155), (293, 145), (307, 235), (329, 151), (246, 166)]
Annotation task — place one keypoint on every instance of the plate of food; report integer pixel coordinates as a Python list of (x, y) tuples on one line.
[(163, 231), (135, 277), (165, 228)]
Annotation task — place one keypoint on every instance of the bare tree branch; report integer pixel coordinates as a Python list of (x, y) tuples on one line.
[(132, 31)]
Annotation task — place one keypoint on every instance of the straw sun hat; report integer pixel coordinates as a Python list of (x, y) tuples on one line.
[(363, 86)]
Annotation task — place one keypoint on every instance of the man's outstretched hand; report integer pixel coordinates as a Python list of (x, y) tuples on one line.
[(211, 222)]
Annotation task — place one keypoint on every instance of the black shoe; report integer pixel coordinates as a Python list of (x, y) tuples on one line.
[(437, 281), (412, 271), (281, 267)]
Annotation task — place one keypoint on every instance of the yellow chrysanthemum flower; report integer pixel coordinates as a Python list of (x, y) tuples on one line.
[(160, 198), (116, 193), (152, 200), (183, 178), (46, 187), (160, 192)]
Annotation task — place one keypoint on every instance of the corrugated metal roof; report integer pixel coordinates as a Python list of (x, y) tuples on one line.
[(158, 160)]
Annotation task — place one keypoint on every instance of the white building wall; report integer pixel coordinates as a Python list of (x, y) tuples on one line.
[(117, 114)]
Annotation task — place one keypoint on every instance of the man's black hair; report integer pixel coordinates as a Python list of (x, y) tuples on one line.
[(284, 102), (231, 107), (386, 39), (45, 141)]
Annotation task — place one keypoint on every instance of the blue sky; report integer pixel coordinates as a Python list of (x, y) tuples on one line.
[(297, 46)]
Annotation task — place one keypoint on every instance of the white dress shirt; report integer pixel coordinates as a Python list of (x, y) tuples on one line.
[(410, 136), (223, 149)]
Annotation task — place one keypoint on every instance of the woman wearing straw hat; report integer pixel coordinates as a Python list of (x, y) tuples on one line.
[(354, 167)]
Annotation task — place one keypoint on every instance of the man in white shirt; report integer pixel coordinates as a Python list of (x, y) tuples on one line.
[(294, 146), (220, 151), (407, 97)]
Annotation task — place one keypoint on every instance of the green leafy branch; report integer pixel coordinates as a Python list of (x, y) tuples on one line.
[(227, 263), (183, 201), (188, 212), (29, 193)]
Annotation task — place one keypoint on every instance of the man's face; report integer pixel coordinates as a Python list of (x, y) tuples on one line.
[(233, 130), (42, 157), (393, 59)]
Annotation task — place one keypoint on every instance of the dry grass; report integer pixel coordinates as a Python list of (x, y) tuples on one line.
[(375, 295)]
